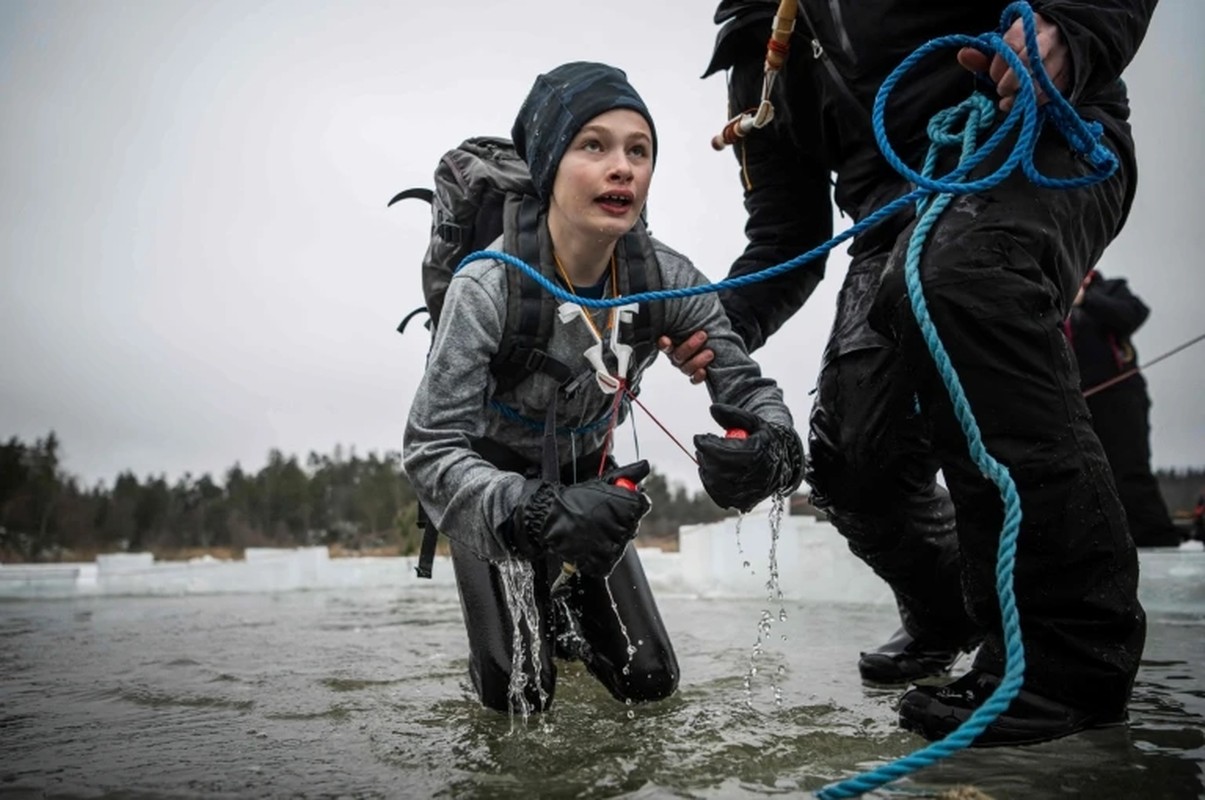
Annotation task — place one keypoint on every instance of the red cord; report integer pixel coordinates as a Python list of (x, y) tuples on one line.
[(673, 438), (602, 462)]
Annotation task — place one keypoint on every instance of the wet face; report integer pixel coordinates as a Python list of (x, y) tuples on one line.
[(603, 179)]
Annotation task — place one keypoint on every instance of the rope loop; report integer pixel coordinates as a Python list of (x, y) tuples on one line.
[(1025, 117)]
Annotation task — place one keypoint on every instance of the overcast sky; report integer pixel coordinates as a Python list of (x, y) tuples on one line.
[(198, 264)]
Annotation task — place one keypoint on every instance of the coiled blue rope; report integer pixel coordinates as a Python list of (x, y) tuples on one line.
[(932, 196), (976, 115), (1084, 137)]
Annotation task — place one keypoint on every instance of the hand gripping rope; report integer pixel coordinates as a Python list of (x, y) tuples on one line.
[(931, 197)]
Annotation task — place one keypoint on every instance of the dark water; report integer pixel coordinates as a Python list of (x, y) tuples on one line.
[(364, 694)]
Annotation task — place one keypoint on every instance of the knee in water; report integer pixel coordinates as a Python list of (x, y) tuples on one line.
[(648, 682), (492, 680)]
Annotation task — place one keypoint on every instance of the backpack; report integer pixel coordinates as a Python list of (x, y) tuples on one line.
[(483, 190)]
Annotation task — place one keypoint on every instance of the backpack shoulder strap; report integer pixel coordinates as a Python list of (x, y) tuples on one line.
[(426, 550), (643, 274), (530, 311)]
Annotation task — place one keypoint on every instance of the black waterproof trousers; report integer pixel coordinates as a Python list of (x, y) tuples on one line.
[(872, 467), (998, 272), (625, 646), (581, 625)]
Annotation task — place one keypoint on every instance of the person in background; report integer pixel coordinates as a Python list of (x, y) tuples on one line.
[(1198, 518), (999, 272), (1104, 315)]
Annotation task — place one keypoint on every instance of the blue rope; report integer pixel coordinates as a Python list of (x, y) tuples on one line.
[(932, 196), (1083, 136), (976, 114)]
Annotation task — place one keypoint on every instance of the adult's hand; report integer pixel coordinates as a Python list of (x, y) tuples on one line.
[(690, 355), (1053, 51)]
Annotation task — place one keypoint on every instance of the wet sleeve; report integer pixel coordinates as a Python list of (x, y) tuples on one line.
[(466, 497), (1103, 36)]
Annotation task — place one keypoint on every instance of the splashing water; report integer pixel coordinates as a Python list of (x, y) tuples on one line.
[(777, 508), (568, 635), (630, 649), (518, 583), (766, 621), (739, 549)]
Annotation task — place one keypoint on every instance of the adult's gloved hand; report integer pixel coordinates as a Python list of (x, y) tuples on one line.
[(741, 472), (587, 524)]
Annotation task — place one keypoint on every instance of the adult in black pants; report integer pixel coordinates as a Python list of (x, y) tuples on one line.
[(999, 273), (1104, 315)]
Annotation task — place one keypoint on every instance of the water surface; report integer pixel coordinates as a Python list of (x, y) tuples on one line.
[(365, 694)]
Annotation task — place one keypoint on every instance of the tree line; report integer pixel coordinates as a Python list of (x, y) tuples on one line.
[(1181, 489), (344, 500), (349, 501)]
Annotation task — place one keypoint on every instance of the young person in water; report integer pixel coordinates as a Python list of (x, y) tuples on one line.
[(480, 453)]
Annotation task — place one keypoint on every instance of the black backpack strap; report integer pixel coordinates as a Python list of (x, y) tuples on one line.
[(530, 310), (418, 193), (642, 273), (426, 551)]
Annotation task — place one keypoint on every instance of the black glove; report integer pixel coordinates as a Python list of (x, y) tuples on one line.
[(740, 473), (587, 524)]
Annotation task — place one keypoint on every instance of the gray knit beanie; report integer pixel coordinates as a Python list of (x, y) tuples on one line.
[(559, 104)]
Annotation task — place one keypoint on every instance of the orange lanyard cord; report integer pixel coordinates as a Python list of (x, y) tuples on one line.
[(614, 292)]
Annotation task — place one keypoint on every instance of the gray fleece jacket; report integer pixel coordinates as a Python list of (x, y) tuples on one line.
[(466, 497)]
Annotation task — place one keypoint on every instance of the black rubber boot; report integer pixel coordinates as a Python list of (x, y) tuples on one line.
[(936, 711), (903, 659)]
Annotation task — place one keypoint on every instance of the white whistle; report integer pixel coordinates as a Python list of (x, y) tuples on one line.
[(623, 352), (606, 381), (594, 354)]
